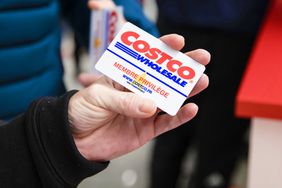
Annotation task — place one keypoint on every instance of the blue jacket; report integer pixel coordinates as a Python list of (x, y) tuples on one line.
[(228, 15), (30, 62), (133, 13)]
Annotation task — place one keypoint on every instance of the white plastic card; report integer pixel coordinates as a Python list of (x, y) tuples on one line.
[(105, 24), (147, 66)]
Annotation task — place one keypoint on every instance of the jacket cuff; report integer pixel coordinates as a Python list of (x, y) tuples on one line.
[(53, 146)]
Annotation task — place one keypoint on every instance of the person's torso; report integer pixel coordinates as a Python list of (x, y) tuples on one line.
[(232, 15), (30, 65)]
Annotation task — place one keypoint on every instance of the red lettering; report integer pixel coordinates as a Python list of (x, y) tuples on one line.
[(112, 25), (125, 37), (153, 53), (182, 72), (171, 65), (131, 38), (164, 57), (141, 46)]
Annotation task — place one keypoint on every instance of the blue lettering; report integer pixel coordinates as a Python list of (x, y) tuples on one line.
[(162, 71)]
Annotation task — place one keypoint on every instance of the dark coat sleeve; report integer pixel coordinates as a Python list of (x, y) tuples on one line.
[(37, 149)]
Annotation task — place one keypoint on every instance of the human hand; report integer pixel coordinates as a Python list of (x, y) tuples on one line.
[(101, 4), (104, 5), (107, 121)]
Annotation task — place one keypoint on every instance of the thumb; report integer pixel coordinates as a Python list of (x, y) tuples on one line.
[(126, 103)]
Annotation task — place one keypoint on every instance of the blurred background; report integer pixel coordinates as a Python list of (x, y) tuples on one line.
[(211, 150)]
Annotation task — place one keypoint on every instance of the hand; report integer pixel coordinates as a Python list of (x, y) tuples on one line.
[(101, 4), (107, 121), (106, 5)]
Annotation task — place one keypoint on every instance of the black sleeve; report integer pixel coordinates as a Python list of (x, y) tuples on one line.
[(37, 149)]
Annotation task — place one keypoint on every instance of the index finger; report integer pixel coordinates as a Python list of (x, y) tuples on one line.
[(177, 42)]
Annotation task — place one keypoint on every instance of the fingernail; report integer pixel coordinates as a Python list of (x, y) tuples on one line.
[(147, 106)]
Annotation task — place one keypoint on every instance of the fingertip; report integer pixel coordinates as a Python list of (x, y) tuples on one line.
[(206, 80), (200, 55), (207, 54), (201, 85), (97, 4), (87, 79), (190, 110), (203, 82), (92, 4), (175, 41), (82, 76), (147, 107)]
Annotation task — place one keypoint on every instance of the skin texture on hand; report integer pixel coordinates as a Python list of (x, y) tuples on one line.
[(108, 121)]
